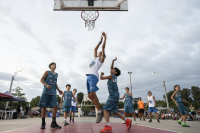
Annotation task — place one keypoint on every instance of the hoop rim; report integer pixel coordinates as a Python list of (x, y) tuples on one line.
[(90, 20)]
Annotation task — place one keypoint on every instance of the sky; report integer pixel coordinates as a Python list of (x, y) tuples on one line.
[(153, 36)]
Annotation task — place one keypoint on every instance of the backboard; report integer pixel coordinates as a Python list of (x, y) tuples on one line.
[(90, 5)]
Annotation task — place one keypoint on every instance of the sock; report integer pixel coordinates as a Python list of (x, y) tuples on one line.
[(135, 120), (125, 119), (99, 111), (53, 119), (65, 120), (73, 118), (181, 119), (70, 117), (43, 120), (108, 123)]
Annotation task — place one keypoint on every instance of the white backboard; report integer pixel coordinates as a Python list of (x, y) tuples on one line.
[(86, 98), (82, 5)]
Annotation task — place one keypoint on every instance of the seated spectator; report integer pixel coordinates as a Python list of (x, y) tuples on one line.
[(189, 118), (162, 116)]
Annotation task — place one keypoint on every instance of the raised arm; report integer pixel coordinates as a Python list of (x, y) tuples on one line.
[(96, 48), (122, 97), (44, 77), (106, 77), (102, 58), (112, 65)]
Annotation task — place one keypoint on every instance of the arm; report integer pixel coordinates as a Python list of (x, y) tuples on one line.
[(44, 77), (61, 99), (184, 100), (74, 97), (103, 48), (105, 77), (96, 48), (154, 101), (147, 103), (60, 92), (190, 106), (122, 97), (112, 65), (172, 97), (130, 94)]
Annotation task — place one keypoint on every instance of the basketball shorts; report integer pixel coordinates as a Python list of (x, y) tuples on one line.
[(92, 81), (128, 109), (111, 106), (182, 109), (48, 101)]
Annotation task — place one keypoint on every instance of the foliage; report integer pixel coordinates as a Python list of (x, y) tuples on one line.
[(135, 103), (161, 103), (80, 97), (18, 93), (120, 104), (35, 101)]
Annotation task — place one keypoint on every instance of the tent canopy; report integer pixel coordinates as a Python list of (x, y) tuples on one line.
[(11, 98), (4, 97)]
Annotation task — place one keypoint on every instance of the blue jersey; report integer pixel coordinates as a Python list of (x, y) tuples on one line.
[(67, 98), (51, 80), (128, 100), (113, 89), (178, 98)]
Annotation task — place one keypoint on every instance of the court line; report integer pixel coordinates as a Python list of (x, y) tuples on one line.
[(158, 128)]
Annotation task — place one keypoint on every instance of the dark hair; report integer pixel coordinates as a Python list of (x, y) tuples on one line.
[(140, 98), (118, 71), (52, 64), (148, 92), (75, 89), (175, 87), (126, 88), (68, 85)]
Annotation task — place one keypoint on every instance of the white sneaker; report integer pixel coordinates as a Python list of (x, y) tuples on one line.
[(135, 122), (123, 122)]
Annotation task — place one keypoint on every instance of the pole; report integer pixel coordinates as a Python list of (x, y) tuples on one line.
[(166, 95), (10, 89), (131, 85)]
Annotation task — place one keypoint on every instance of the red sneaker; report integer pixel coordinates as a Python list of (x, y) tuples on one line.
[(107, 129), (128, 124)]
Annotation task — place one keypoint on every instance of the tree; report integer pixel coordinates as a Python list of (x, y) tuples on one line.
[(80, 97), (195, 91), (161, 103), (135, 103), (121, 104), (35, 101), (18, 94), (169, 94)]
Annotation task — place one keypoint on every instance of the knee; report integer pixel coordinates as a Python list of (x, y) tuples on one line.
[(91, 95), (115, 113)]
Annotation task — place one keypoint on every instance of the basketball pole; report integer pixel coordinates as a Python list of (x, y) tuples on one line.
[(130, 82)]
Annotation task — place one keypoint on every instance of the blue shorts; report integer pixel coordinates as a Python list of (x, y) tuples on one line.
[(182, 109), (48, 101), (92, 81), (66, 109), (128, 109), (111, 106), (152, 109), (73, 108)]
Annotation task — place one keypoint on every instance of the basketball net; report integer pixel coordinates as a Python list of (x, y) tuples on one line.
[(89, 17)]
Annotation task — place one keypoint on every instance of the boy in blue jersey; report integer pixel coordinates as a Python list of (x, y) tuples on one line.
[(67, 102), (113, 99), (128, 107), (48, 98)]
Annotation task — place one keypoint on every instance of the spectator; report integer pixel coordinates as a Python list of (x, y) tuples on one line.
[(18, 110), (21, 111), (162, 116), (189, 118), (136, 112), (172, 110), (26, 110), (192, 108)]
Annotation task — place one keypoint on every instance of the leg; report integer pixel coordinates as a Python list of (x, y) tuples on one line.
[(92, 95), (73, 113), (106, 115), (127, 121), (70, 114), (43, 112), (120, 115), (107, 128), (150, 115), (54, 111)]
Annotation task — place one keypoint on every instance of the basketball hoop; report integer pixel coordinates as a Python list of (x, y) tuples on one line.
[(89, 17)]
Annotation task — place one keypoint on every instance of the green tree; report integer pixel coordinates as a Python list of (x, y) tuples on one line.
[(161, 103), (169, 94), (35, 101), (135, 103), (80, 97), (17, 92), (195, 91), (121, 104)]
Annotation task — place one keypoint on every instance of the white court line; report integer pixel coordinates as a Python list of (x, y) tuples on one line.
[(158, 128)]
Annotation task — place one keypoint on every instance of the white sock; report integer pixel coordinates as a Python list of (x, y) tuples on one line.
[(180, 119), (183, 121), (64, 119), (135, 120), (108, 123), (125, 119), (99, 111)]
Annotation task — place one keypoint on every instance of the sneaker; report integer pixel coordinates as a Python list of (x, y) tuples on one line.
[(144, 120), (140, 120), (123, 122), (135, 122), (107, 129), (158, 121), (179, 122), (69, 120), (73, 121), (43, 126), (55, 125), (184, 125), (128, 124), (150, 120), (99, 117)]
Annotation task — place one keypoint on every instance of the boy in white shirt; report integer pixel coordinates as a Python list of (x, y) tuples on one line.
[(73, 107)]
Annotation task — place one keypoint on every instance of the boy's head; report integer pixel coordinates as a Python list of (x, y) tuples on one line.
[(176, 88), (99, 55), (149, 93), (52, 65), (74, 91), (127, 89), (68, 86), (115, 71), (140, 99)]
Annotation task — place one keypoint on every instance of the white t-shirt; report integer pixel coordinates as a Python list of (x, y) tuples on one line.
[(94, 67), (74, 101), (136, 111), (151, 101)]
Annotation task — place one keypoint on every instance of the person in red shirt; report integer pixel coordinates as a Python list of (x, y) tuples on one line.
[(141, 109)]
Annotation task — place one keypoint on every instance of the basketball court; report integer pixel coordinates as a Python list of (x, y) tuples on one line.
[(87, 125)]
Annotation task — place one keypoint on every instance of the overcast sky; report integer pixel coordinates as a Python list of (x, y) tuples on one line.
[(153, 36)]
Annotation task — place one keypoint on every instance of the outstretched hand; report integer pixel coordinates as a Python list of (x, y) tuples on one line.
[(104, 34), (115, 59), (101, 37), (102, 73)]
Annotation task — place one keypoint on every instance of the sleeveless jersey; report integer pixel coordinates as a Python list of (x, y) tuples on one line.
[(67, 98), (74, 101), (94, 67), (178, 98), (51, 80), (128, 100), (151, 101), (113, 89)]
